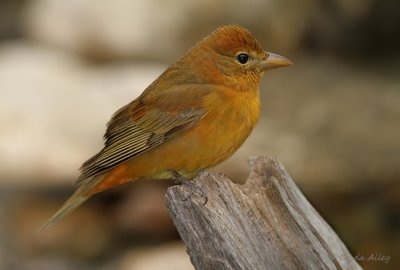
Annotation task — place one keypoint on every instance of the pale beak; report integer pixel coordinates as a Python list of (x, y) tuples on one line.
[(275, 61)]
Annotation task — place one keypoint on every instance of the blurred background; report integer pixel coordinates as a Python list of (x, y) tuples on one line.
[(333, 119)]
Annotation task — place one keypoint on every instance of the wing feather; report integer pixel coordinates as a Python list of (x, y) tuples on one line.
[(135, 134), (155, 117)]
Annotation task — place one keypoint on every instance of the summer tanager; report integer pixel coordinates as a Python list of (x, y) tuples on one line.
[(193, 116)]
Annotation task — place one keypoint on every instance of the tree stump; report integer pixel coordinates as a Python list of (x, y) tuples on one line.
[(267, 223)]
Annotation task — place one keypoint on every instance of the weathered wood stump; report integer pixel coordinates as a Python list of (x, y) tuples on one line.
[(267, 223)]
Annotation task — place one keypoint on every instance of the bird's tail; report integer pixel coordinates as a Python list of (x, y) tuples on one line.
[(80, 196), (70, 205), (87, 188)]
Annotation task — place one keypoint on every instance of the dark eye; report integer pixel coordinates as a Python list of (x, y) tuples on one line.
[(242, 58)]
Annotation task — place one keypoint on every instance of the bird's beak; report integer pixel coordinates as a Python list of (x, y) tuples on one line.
[(275, 61)]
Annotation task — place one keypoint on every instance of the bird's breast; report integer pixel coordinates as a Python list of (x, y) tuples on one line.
[(229, 109), (231, 116), (229, 119)]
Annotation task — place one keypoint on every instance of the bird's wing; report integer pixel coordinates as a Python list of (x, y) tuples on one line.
[(139, 127)]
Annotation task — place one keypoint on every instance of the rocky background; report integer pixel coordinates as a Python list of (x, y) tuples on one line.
[(333, 119)]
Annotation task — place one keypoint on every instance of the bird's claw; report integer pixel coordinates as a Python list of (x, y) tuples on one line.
[(191, 186)]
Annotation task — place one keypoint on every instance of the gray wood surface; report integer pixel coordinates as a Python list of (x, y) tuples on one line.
[(267, 223)]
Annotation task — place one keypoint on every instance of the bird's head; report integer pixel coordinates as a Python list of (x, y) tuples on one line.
[(232, 55)]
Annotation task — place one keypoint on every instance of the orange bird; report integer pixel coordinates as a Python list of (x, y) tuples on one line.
[(196, 114)]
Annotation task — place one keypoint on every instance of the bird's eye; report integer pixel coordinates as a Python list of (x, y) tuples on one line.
[(242, 58)]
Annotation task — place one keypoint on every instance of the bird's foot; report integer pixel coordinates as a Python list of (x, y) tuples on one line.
[(191, 186)]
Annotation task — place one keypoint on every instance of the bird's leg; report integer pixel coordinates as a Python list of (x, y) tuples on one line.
[(193, 188)]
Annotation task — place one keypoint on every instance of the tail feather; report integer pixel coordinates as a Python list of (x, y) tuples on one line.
[(87, 188), (70, 205)]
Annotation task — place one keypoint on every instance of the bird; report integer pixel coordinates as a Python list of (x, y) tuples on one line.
[(195, 115)]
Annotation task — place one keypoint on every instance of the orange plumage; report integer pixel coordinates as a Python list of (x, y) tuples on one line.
[(192, 117)]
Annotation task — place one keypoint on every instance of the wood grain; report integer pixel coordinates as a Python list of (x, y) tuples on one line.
[(267, 223)]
